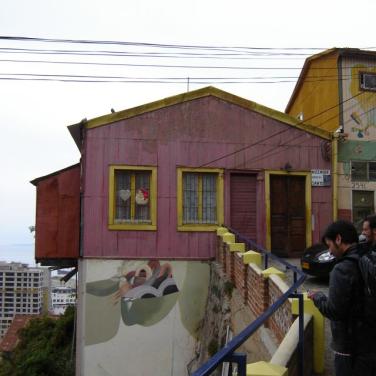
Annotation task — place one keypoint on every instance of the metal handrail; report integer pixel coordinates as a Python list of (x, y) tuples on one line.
[(227, 353)]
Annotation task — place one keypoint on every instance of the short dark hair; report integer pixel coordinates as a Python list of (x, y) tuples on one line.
[(344, 228), (372, 220)]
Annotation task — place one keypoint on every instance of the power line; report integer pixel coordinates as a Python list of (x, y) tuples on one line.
[(278, 133), (270, 153), (146, 44), (310, 79)]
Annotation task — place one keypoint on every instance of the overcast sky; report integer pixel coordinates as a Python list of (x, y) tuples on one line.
[(34, 114)]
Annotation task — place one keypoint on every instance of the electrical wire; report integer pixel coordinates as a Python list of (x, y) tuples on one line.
[(278, 133), (271, 153)]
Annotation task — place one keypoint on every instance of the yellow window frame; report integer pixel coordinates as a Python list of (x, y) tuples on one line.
[(112, 199), (220, 201)]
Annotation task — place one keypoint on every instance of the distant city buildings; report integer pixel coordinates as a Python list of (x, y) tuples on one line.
[(23, 290), (62, 297)]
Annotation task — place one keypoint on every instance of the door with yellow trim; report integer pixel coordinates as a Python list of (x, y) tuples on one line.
[(287, 215)]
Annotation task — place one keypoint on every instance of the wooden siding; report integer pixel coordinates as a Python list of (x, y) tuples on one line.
[(58, 216), (317, 93), (190, 134)]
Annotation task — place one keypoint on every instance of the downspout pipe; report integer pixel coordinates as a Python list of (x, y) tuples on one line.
[(335, 175)]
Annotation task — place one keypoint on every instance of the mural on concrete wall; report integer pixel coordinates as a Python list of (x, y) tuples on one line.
[(143, 293), (361, 110), (141, 317)]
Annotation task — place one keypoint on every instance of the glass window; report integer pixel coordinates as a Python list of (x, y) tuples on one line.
[(372, 171), (200, 199), (363, 205), (358, 171), (132, 198), (368, 81)]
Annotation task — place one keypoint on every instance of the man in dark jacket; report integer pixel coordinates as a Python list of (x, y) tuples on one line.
[(371, 233), (352, 342)]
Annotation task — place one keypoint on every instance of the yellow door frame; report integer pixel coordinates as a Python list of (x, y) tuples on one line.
[(308, 203)]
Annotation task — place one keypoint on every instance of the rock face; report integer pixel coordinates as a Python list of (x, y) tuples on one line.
[(217, 322), (226, 316)]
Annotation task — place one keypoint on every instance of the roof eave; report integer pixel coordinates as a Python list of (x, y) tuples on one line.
[(37, 180), (197, 94)]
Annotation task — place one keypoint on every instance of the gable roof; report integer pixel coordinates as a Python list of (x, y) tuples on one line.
[(308, 61), (75, 129)]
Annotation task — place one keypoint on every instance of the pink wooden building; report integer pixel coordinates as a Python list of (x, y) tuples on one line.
[(158, 179)]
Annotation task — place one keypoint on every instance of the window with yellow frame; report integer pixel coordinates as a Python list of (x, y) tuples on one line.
[(132, 198), (200, 199)]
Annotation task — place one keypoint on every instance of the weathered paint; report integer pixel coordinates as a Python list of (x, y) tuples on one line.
[(150, 336), (206, 132), (359, 110), (317, 91), (308, 204), (58, 215), (193, 95), (353, 110)]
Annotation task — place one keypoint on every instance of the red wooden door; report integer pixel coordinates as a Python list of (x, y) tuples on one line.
[(243, 204), (287, 215)]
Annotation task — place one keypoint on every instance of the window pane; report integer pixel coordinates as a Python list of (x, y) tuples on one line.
[(190, 198), (142, 198), (372, 171), (132, 196), (209, 198), (363, 205), (359, 171), (123, 195)]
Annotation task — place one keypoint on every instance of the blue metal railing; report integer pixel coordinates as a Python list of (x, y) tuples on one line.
[(227, 354)]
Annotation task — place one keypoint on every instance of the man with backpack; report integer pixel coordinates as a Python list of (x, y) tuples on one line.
[(350, 306), (371, 233)]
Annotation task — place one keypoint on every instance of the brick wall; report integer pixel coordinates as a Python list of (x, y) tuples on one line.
[(229, 260), (258, 292), (282, 319), (240, 276)]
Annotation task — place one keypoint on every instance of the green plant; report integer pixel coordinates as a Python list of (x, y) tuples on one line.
[(45, 348), (213, 346), (228, 288), (215, 291)]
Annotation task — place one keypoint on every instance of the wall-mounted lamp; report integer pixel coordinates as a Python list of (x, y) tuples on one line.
[(287, 167)]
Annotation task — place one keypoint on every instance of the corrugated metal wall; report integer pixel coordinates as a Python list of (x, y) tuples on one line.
[(190, 134), (57, 231)]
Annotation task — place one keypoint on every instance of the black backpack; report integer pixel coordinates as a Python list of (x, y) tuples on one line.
[(367, 266)]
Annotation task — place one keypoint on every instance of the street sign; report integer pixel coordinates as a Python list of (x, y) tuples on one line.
[(321, 178)]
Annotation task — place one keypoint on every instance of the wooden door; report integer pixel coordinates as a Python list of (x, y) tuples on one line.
[(243, 204), (287, 215)]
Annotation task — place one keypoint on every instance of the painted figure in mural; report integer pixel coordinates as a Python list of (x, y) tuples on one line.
[(148, 281), (352, 332), (144, 293), (142, 289)]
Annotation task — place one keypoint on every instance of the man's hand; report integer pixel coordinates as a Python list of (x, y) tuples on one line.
[(311, 294)]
